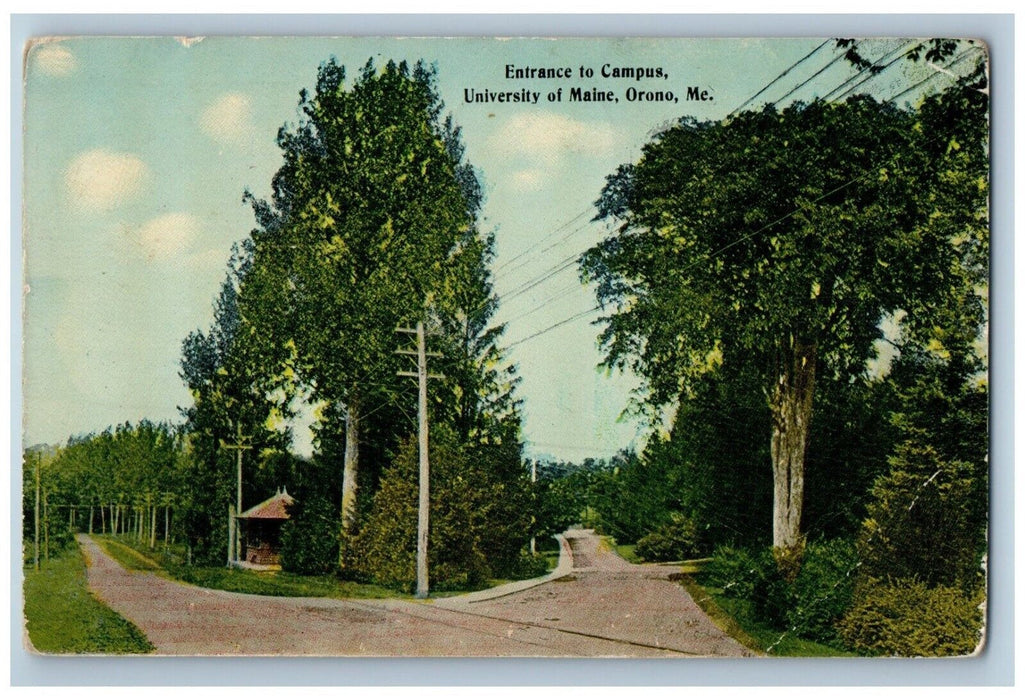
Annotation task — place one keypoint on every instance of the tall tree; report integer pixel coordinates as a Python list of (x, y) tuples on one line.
[(786, 237), (370, 207), (235, 377)]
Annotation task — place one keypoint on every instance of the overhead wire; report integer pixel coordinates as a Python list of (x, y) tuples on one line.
[(779, 220)]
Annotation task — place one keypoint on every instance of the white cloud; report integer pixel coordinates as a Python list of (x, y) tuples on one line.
[(529, 180), (55, 60), (167, 235), (229, 120), (545, 136), (99, 180)]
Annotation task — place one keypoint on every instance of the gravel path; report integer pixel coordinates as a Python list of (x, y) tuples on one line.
[(606, 608), (607, 597)]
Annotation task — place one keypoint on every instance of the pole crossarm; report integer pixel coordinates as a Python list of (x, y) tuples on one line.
[(414, 353), (416, 375)]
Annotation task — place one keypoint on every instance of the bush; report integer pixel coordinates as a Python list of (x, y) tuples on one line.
[(676, 540), (530, 566), (736, 571), (904, 617), (309, 539), (477, 524), (809, 605), (823, 589)]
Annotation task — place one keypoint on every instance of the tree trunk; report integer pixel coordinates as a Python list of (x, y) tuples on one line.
[(349, 474), (153, 527), (790, 404), (91, 518), (167, 524)]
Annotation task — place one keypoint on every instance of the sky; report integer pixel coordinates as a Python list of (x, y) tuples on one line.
[(138, 151)]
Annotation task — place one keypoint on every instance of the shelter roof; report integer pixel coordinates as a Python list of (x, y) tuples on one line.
[(274, 508)]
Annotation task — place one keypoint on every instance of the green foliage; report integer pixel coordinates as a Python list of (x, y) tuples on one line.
[(530, 566), (709, 467), (231, 371), (807, 606), (372, 224), (63, 617), (477, 529), (677, 540), (776, 243), (309, 539), (736, 617), (822, 590), (129, 471), (921, 523), (928, 514), (736, 570), (905, 617)]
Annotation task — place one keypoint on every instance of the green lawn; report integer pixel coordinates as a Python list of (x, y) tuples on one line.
[(734, 617), (63, 617), (138, 557), (135, 556)]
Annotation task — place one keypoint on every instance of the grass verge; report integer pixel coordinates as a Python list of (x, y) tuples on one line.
[(272, 583), (736, 618), (63, 617)]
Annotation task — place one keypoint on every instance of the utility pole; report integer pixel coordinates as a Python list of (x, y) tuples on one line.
[(36, 513), (533, 517), (235, 537), (423, 512)]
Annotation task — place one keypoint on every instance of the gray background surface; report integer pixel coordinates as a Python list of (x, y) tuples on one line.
[(994, 666)]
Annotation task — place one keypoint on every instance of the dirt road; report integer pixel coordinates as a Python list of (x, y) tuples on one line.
[(605, 608)]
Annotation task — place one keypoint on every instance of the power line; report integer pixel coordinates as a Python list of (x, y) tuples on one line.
[(716, 253), (872, 73), (814, 75), (533, 248), (552, 327), (957, 60), (545, 250), (778, 78)]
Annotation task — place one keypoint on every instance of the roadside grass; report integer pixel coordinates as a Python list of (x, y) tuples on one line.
[(63, 617), (272, 583), (126, 555), (551, 558), (736, 618), (170, 563), (627, 551)]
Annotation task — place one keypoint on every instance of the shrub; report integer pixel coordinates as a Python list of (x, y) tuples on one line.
[(823, 589), (676, 540), (927, 519), (904, 617), (809, 605), (309, 539), (530, 566), (737, 571), (477, 527)]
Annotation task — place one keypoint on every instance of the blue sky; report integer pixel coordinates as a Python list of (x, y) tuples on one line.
[(137, 152)]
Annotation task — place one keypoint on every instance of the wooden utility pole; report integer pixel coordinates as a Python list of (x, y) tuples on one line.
[(36, 513), (424, 506), (533, 517), (235, 538)]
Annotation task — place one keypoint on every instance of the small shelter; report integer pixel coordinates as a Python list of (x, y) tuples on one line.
[(261, 530)]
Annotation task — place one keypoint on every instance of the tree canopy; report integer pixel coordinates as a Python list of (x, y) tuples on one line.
[(782, 239)]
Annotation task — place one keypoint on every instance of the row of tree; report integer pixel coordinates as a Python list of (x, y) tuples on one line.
[(371, 226), (126, 480)]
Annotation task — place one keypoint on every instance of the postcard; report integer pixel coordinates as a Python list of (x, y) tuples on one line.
[(498, 347)]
